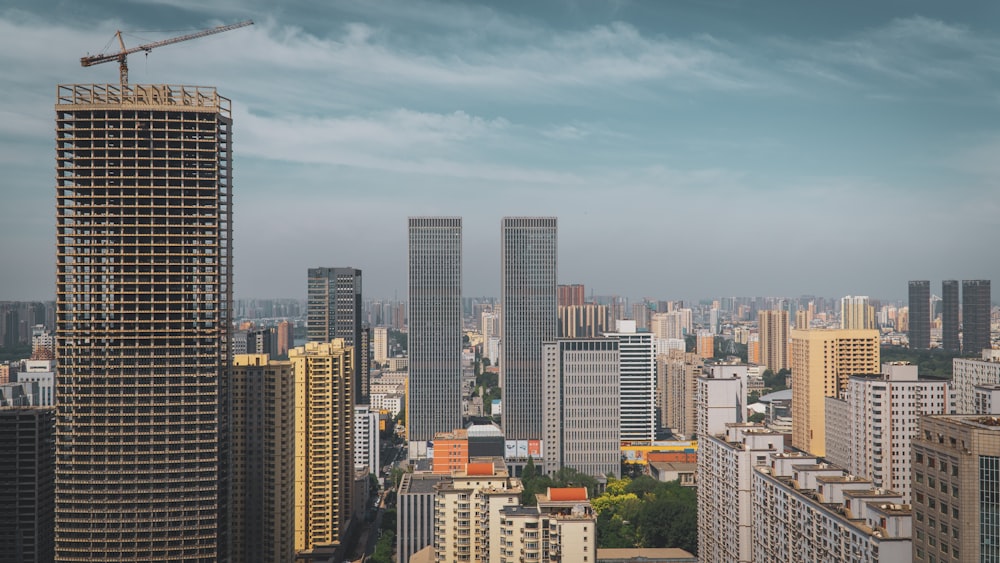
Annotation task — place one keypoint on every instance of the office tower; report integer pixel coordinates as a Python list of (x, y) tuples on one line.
[(637, 356), (949, 316), (435, 335), (807, 510), (968, 374), (582, 414), (583, 321), (956, 489), (415, 513), (565, 513), (529, 318), (144, 292), (462, 528), (822, 362), (263, 449), (366, 439), (726, 459), (571, 295), (678, 373), (856, 313), (380, 344), (920, 315), (976, 335), (333, 310), (324, 449), (878, 414), (773, 332), (27, 484)]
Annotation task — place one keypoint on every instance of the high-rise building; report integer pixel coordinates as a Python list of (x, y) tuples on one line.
[(582, 415), (705, 344), (920, 315), (435, 333), (976, 335), (571, 295), (333, 310), (366, 439), (380, 344), (877, 419), (856, 313), (568, 517), (415, 513), (467, 507), (823, 360), (773, 331), (144, 295), (263, 449), (968, 374), (949, 316), (324, 445), (673, 324), (637, 384), (582, 321), (677, 377), (27, 484), (720, 399), (529, 318), (956, 489), (641, 314)]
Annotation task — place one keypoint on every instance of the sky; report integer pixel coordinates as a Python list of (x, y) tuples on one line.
[(689, 149)]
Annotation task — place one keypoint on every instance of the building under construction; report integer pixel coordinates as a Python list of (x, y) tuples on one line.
[(144, 291)]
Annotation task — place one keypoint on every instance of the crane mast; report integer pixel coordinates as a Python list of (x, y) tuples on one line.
[(122, 55)]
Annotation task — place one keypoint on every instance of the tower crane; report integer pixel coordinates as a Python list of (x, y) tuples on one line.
[(122, 56)]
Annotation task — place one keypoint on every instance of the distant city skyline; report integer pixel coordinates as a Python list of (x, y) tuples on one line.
[(692, 149)]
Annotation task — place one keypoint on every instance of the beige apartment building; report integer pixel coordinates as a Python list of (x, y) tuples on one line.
[(823, 360), (562, 527), (773, 331), (324, 458), (263, 454), (677, 379), (467, 511)]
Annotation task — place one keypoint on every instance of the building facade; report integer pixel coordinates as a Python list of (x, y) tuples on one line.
[(435, 329), (773, 332), (920, 314), (976, 335), (950, 316), (415, 513), (856, 313), (366, 439), (582, 414), (582, 321), (27, 472), (956, 489), (468, 512), (324, 449), (333, 310), (529, 317), (144, 294), (561, 527), (677, 377), (823, 360), (263, 450), (637, 384), (968, 373)]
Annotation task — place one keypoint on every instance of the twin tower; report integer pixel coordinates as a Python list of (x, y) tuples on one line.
[(529, 317)]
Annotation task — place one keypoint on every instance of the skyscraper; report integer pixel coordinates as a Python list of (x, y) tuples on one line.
[(773, 327), (324, 447), (856, 313), (27, 484), (949, 316), (571, 295), (530, 317), (144, 297), (333, 311), (435, 329), (920, 315), (975, 316)]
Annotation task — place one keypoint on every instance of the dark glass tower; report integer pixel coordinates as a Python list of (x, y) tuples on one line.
[(949, 316), (334, 311), (975, 316), (144, 300), (920, 315)]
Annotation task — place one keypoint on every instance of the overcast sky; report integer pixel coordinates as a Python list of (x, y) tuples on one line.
[(689, 149)]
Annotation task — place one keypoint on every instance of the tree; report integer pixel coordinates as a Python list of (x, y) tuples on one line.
[(757, 417)]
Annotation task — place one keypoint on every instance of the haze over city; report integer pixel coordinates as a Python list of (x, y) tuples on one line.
[(688, 149)]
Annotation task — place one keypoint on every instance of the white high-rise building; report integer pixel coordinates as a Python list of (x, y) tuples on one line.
[(869, 429), (720, 399), (528, 300), (366, 439), (967, 373), (674, 324), (581, 406), (638, 382)]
